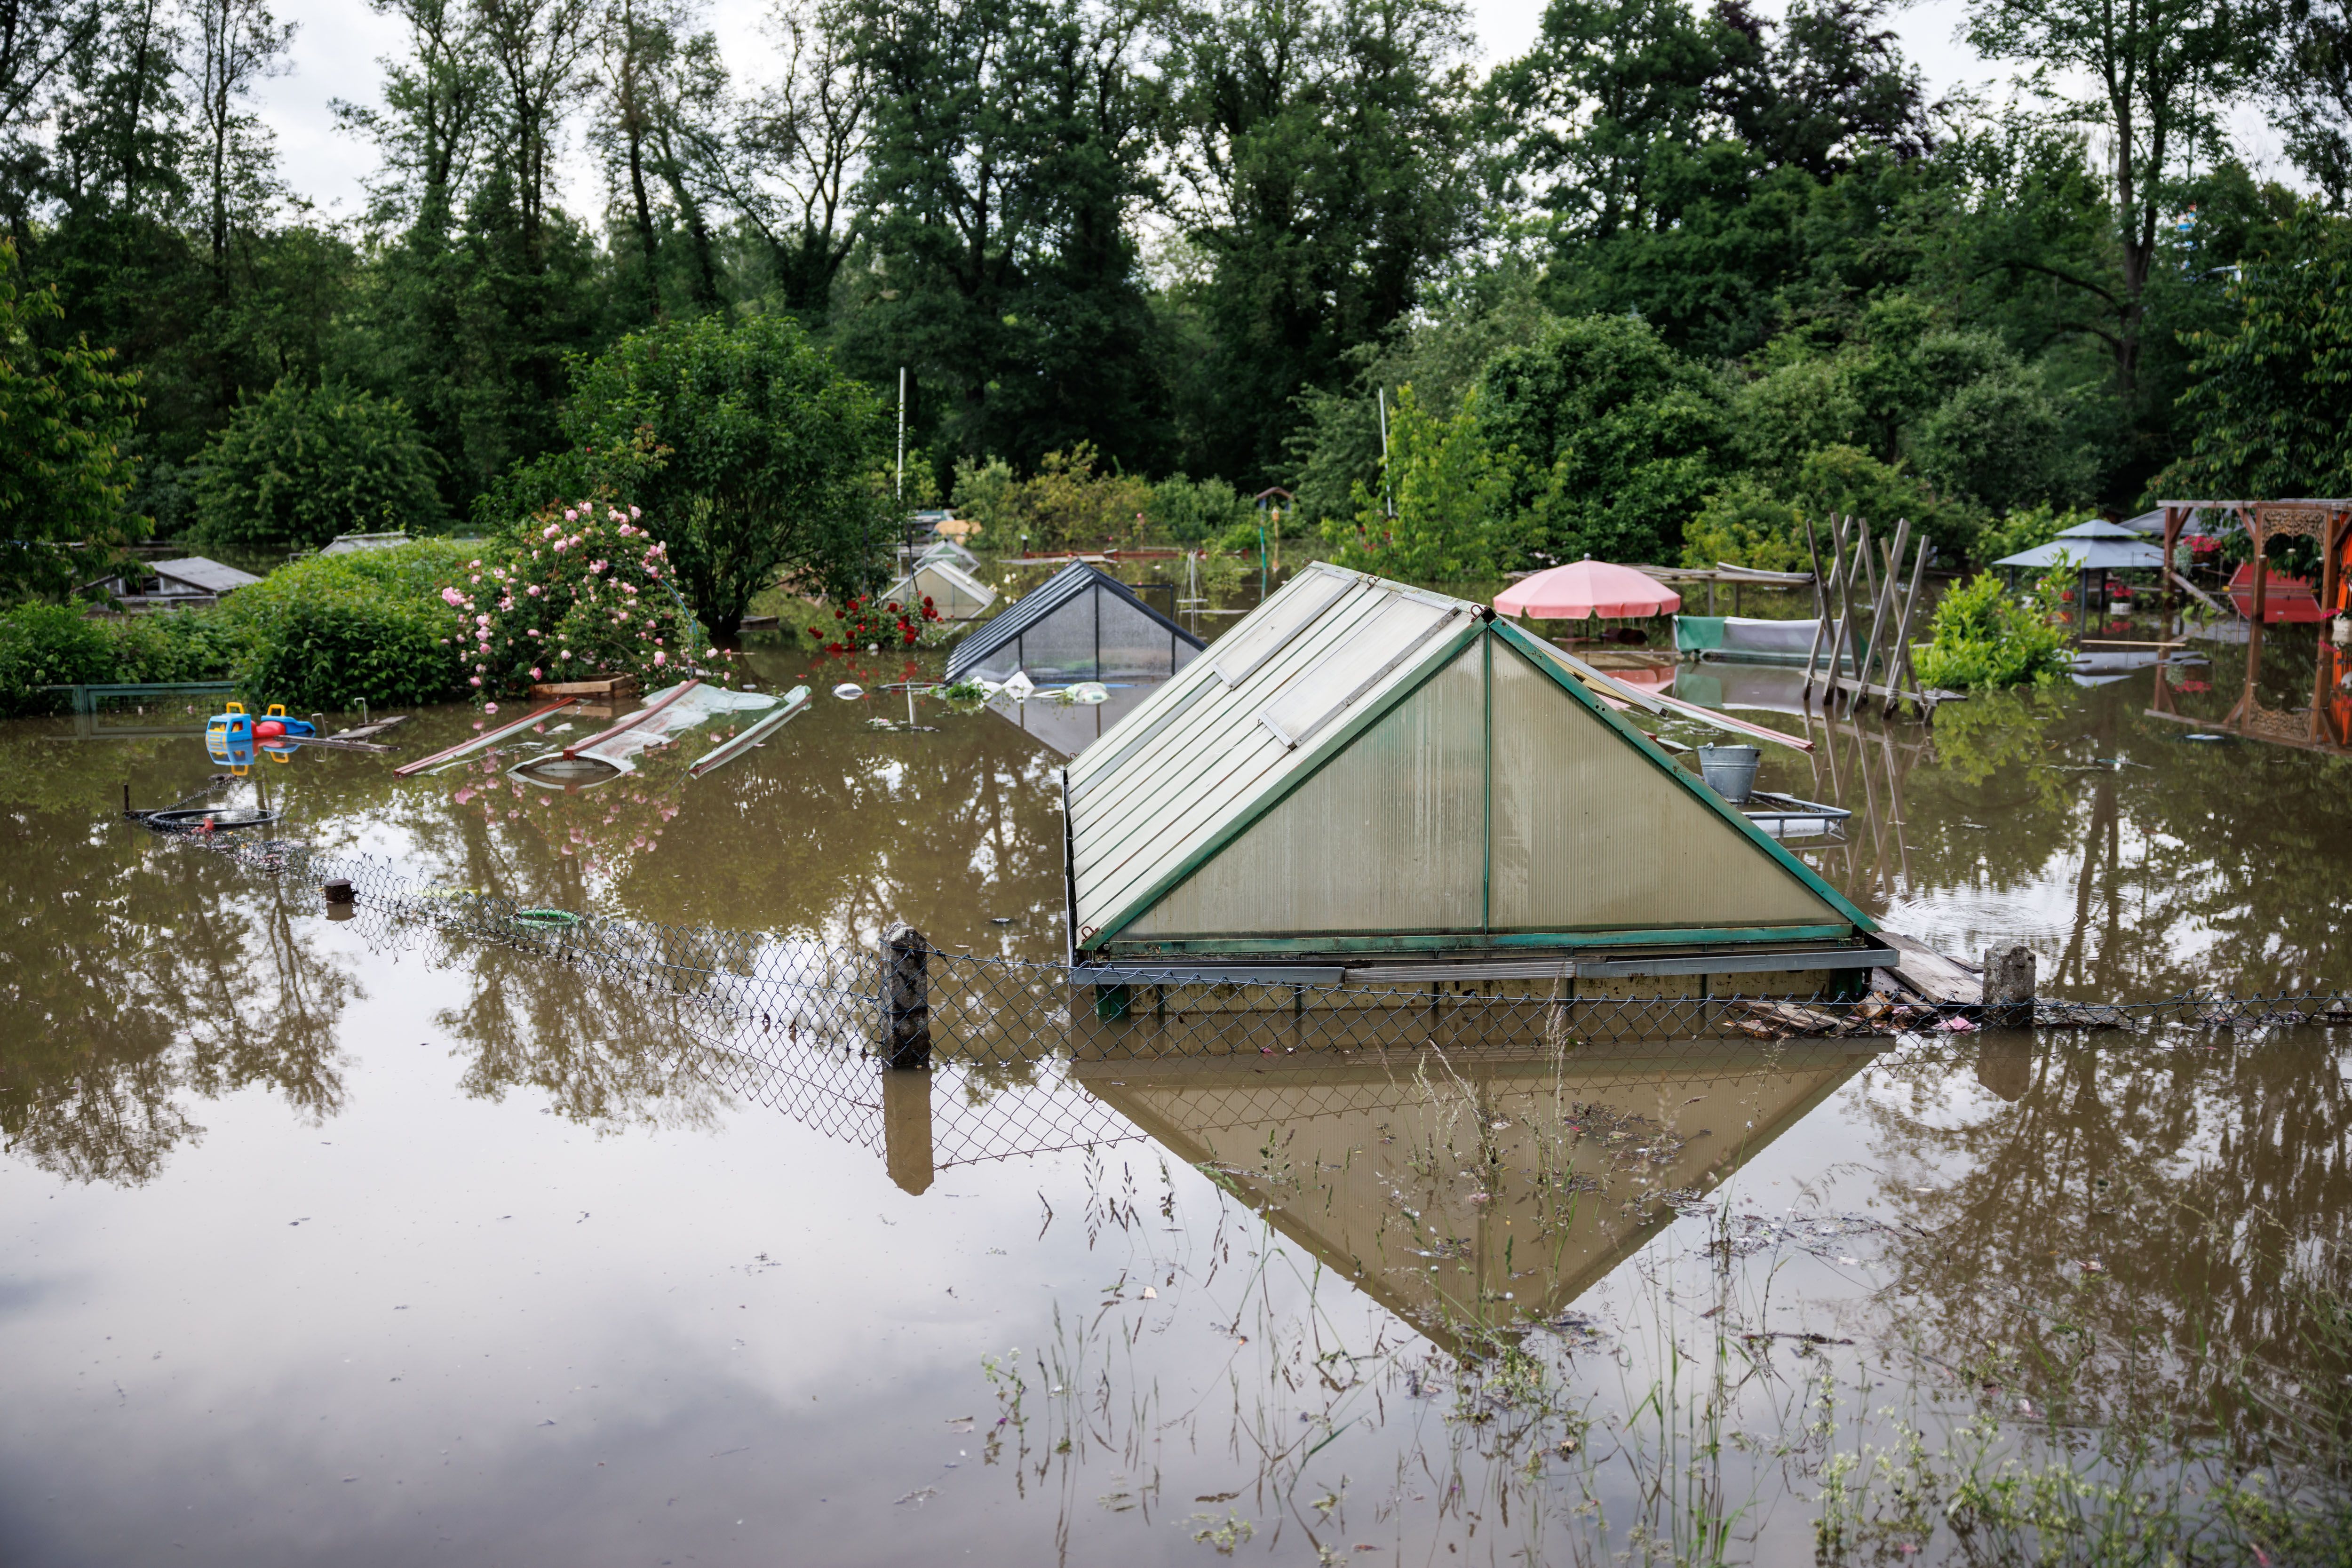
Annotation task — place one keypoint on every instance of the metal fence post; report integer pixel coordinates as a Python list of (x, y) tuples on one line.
[(905, 998)]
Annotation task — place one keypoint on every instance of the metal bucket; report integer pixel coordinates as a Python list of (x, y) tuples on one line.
[(1730, 771)]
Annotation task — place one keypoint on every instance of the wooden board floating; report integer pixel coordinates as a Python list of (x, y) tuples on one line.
[(1941, 980), (609, 686)]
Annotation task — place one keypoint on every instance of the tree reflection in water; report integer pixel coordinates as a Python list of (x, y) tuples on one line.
[(138, 974)]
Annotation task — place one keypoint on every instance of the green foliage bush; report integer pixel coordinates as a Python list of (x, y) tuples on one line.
[(49, 645), (298, 464), (332, 631), (1983, 636), (748, 449), (1191, 511), (59, 645), (1746, 524)]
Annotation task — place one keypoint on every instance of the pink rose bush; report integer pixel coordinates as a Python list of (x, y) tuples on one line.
[(582, 592)]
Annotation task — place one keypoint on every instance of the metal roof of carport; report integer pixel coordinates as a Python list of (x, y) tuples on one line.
[(1396, 824)]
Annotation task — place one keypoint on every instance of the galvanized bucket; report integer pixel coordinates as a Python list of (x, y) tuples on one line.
[(1730, 771)]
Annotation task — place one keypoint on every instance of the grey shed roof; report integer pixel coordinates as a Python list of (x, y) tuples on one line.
[(1142, 642), (209, 575), (1363, 767)]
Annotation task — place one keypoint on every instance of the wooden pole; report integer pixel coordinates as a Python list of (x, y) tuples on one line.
[(1881, 605), (905, 998), (2262, 605), (1903, 666), (1843, 637), (1820, 609)]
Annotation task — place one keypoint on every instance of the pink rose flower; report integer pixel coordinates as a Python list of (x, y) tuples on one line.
[(660, 658), (473, 680), (536, 674)]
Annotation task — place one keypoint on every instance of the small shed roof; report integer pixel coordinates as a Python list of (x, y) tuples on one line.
[(954, 592), (1080, 620), (1361, 766), (205, 575), (351, 543)]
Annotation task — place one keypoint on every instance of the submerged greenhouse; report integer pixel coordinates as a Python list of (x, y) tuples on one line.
[(954, 592), (1367, 780), (1081, 624)]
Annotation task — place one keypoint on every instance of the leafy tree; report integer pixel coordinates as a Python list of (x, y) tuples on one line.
[(1323, 170), (2271, 409), (1615, 438), (2156, 74), (1007, 149), (298, 464), (748, 450), (1748, 525), (65, 417), (2312, 95), (1439, 515)]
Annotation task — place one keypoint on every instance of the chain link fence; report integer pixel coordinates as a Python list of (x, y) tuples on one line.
[(797, 1023)]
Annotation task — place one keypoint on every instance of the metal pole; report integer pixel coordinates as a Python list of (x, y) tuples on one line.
[(902, 433), (1388, 498)]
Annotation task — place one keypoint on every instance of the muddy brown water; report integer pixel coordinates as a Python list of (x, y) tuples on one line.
[(350, 1241)]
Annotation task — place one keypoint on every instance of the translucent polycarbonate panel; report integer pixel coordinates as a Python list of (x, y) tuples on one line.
[(1134, 640), (1204, 772), (1262, 632), (1060, 643), (1386, 836), (1384, 639), (955, 595), (1590, 834)]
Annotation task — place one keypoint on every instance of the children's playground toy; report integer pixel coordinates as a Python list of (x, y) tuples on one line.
[(232, 737)]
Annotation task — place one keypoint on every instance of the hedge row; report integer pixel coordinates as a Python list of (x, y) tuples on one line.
[(323, 634)]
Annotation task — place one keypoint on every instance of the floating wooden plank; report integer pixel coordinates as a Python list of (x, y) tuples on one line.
[(2194, 592), (487, 738), (1941, 980), (372, 728), (796, 700), (609, 686), (631, 722)]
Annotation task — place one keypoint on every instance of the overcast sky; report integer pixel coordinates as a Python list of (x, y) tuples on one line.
[(339, 42)]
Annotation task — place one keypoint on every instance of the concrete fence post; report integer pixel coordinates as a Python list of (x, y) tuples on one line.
[(2009, 987), (905, 998)]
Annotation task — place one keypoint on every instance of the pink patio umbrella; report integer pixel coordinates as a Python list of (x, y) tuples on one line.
[(1585, 589)]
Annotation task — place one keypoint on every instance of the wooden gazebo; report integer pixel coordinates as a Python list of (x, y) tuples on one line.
[(2326, 523)]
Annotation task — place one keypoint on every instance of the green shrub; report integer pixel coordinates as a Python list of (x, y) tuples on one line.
[(298, 465), (329, 632), (1983, 636), (1188, 511), (184, 645), (48, 645), (1745, 524)]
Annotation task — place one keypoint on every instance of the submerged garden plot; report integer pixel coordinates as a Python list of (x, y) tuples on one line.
[(452, 1227)]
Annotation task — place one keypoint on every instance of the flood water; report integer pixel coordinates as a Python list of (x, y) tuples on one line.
[(358, 1240)]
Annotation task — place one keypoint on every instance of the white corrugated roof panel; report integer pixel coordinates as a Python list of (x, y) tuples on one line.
[(1200, 758)]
